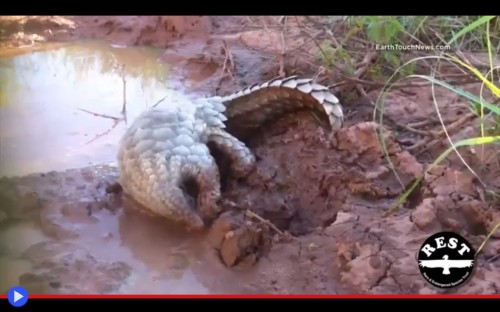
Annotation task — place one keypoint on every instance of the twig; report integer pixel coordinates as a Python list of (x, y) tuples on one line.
[(423, 123), (115, 123), (493, 258), (228, 37), (327, 58), (100, 115), (363, 93), (321, 71), (412, 129), (116, 120), (124, 105), (161, 100), (375, 84), (413, 126), (363, 65), (332, 38), (252, 214), (436, 136), (282, 55), (228, 59)]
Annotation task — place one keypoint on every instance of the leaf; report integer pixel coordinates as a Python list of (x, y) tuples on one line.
[(360, 22), (470, 27), (392, 28), (375, 32), (392, 58)]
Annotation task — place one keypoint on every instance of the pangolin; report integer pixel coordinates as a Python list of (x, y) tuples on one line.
[(164, 149)]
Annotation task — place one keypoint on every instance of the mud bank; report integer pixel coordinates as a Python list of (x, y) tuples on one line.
[(326, 192)]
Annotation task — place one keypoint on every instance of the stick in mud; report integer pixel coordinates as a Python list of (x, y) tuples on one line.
[(252, 214)]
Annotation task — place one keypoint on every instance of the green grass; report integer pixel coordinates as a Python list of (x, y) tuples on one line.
[(478, 28), (452, 32)]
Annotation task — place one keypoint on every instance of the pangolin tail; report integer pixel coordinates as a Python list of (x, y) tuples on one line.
[(249, 109)]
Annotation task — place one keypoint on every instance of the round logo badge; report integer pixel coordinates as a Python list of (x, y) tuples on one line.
[(446, 260)]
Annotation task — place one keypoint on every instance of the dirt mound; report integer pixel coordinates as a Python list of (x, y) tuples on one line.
[(371, 253), (304, 176)]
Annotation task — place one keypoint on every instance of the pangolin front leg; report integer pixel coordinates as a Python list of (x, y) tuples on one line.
[(211, 111), (241, 158)]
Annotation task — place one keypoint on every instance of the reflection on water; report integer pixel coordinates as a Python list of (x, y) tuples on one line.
[(42, 95)]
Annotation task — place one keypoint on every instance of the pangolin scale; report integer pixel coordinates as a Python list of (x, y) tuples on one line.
[(163, 149)]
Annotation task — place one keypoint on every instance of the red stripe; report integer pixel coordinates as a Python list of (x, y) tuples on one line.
[(258, 296)]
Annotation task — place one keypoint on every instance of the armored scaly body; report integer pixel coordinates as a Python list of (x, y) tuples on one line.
[(164, 148)]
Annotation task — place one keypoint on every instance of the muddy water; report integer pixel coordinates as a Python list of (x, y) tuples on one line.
[(45, 125), (149, 257), (46, 97)]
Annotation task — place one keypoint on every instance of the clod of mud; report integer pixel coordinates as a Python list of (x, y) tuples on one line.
[(239, 240), (452, 200)]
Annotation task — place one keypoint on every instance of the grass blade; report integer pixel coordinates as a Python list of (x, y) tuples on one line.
[(478, 74), (495, 109), (467, 29), (461, 143)]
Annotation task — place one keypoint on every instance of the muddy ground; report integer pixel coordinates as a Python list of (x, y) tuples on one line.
[(325, 193)]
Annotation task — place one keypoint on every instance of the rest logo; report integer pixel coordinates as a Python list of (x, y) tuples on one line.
[(446, 259)]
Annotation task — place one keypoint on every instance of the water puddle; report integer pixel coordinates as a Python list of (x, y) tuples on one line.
[(45, 125), (47, 99)]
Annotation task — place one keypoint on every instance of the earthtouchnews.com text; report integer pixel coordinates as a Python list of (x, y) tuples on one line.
[(411, 47)]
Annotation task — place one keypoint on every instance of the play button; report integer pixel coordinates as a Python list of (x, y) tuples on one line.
[(18, 296)]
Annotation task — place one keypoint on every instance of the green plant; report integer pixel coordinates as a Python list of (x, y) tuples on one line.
[(479, 104), (391, 33)]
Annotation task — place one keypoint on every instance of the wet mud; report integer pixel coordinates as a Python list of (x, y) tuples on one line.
[(308, 219)]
